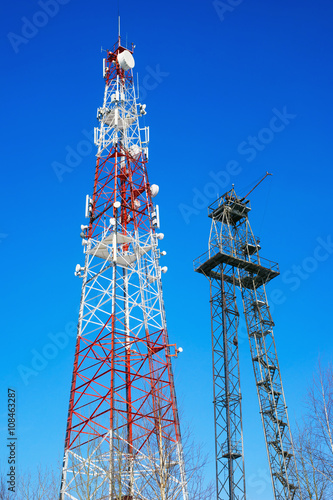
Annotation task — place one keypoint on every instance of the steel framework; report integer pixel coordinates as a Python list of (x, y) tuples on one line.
[(123, 438), (233, 263)]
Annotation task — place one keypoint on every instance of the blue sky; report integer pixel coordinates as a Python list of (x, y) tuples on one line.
[(213, 83)]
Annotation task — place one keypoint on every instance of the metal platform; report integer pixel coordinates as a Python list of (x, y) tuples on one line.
[(258, 273), (235, 209)]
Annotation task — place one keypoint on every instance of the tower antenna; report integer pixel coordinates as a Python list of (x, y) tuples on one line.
[(123, 434)]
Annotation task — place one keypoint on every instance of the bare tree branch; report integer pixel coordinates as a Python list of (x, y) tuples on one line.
[(313, 442)]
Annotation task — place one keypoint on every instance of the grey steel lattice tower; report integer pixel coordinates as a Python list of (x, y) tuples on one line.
[(233, 262)]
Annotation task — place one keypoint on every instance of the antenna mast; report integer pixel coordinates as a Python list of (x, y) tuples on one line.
[(123, 433)]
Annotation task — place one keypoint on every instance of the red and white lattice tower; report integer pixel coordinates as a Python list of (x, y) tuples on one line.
[(123, 438)]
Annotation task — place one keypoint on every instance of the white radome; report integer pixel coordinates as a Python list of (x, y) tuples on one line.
[(154, 189), (126, 60), (135, 151)]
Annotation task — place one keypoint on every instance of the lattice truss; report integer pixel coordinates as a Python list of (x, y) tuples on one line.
[(123, 439), (233, 263), (227, 393)]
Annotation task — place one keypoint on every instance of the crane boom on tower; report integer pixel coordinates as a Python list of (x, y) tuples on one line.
[(262, 179)]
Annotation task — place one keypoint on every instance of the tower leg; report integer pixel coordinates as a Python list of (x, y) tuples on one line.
[(272, 402), (227, 394)]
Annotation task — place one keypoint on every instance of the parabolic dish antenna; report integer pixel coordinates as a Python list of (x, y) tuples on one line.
[(126, 60)]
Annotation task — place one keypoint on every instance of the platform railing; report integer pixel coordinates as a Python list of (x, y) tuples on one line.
[(231, 202), (199, 261)]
